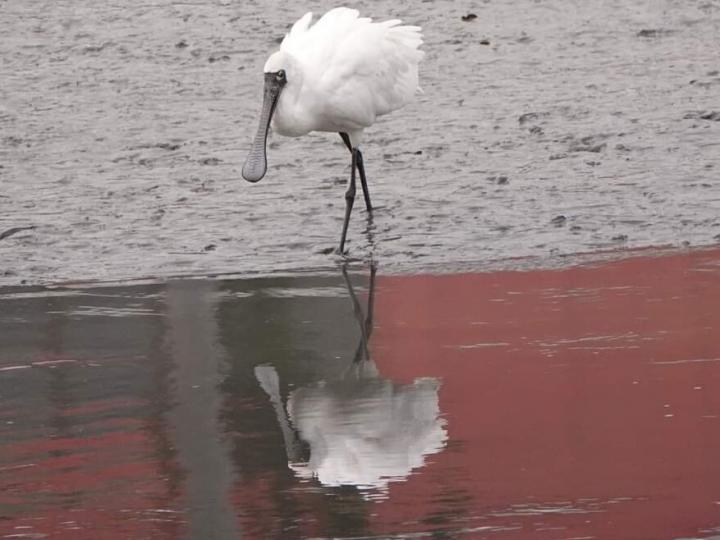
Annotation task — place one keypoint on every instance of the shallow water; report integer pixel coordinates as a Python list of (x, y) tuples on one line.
[(575, 403), (545, 128)]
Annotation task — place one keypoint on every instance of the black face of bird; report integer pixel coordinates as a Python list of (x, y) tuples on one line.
[(256, 162)]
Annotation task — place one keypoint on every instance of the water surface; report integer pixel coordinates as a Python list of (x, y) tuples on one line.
[(574, 403)]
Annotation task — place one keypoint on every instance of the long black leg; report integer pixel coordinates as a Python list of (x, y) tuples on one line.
[(363, 181), (361, 170), (349, 201), (346, 140)]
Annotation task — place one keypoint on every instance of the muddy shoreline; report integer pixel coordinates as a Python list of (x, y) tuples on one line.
[(544, 130)]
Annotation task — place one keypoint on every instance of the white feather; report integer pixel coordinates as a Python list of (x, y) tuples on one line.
[(344, 71)]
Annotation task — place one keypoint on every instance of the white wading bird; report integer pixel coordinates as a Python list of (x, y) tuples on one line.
[(337, 75)]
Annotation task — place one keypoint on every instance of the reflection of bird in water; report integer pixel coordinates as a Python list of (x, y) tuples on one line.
[(366, 432), (362, 429), (337, 75)]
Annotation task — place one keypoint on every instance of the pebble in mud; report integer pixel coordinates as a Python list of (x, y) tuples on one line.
[(528, 117), (501, 180), (211, 161), (469, 17), (654, 32), (703, 115), (9, 232), (533, 118), (591, 143), (558, 221)]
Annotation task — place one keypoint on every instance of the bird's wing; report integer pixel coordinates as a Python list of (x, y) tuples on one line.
[(390, 67), (363, 69), (314, 45), (295, 38), (376, 65), (360, 68)]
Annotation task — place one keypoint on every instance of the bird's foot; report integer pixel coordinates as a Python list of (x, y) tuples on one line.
[(334, 251)]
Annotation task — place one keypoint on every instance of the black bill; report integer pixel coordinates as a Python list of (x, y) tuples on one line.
[(256, 162)]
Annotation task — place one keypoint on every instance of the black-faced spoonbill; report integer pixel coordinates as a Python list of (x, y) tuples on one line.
[(337, 75)]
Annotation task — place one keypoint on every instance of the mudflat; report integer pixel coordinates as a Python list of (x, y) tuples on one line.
[(544, 129)]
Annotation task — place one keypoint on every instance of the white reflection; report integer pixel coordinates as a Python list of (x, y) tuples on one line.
[(366, 434), (362, 430)]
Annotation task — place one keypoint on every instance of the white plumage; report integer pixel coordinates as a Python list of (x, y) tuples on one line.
[(337, 75), (343, 72)]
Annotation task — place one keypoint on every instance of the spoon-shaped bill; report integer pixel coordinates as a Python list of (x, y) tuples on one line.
[(256, 161)]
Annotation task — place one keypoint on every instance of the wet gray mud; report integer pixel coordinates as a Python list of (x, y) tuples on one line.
[(544, 129)]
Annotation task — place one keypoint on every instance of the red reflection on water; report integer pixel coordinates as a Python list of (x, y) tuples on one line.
[(580, 402), (104, 482)]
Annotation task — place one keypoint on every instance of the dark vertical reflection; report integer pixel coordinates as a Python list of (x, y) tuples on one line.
[(208, 473), (60, 387)]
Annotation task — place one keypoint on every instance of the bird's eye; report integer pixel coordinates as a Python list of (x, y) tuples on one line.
[(281, 75)]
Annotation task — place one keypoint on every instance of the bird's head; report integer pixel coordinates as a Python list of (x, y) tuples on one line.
[(276, 77), (278, 61)]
